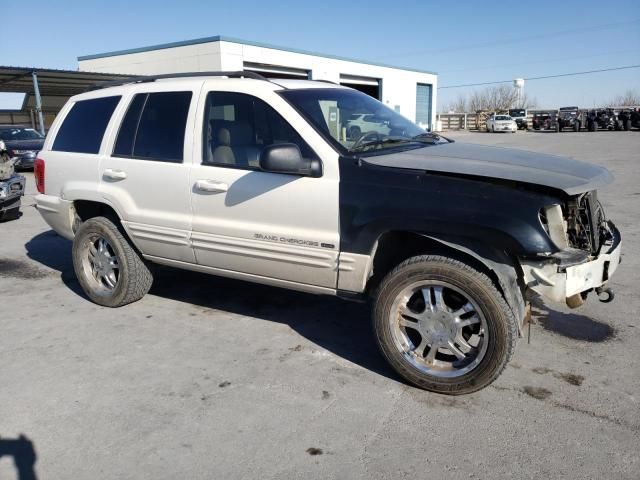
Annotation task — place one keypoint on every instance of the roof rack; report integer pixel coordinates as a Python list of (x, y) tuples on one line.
[(153, 78)]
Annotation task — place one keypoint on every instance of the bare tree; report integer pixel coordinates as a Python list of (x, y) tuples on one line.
[(459, 105), (500, 97), (630, 98)]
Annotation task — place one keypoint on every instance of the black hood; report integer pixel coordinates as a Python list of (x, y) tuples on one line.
[(561, 173), (35, 144)]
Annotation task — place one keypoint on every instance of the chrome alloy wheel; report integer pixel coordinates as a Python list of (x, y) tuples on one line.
[(100, 265), (438, 329)]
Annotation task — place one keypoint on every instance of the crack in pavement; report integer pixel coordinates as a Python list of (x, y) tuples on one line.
[(570, 408)]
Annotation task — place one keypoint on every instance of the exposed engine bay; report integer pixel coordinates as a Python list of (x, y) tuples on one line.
[(589, 252)]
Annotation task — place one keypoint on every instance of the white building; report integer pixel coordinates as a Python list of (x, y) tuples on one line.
[(411, 92)]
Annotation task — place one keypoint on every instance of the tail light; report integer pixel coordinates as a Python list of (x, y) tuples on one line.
[(38, 173)]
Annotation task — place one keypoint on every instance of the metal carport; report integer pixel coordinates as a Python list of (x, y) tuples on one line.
[(48, 89)]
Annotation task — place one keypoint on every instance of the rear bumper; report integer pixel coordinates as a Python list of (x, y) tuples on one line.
[(550, 279), (58, 213)]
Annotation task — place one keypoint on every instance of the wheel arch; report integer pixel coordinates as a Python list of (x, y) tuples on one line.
[(499, 265), (87, 209)]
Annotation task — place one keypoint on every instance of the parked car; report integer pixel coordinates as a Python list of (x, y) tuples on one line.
[(545, 120), (233, 175), (501, 123), (570, 117), (22, 143), (520, 117), (358, 124), (625, 116), (635, 118), (604, 118)]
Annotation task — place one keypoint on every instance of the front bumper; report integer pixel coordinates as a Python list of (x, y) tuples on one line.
[(24, 161), (553, 279), (11, 190)]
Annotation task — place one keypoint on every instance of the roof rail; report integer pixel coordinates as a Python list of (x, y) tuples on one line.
[(153, 78), (326, 81)]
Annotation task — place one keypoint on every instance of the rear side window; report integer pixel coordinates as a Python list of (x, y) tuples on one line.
[(83, 127), (154, 127)]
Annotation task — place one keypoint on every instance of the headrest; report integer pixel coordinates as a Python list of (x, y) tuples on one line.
[(234, 134)]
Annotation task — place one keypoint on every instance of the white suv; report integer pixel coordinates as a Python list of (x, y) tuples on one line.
[(236, 175)]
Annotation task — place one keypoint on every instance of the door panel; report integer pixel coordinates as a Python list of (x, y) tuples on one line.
[(146, 179), (266, 224), (256, 222)]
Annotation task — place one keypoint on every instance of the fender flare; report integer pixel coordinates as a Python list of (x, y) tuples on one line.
[(496, 261)]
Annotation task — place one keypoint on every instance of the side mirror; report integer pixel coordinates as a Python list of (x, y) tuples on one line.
[(286, 158)]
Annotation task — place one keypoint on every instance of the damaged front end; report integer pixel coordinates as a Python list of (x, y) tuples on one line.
[(12, 188), (588, 252)]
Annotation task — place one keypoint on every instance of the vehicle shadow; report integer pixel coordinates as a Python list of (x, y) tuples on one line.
[(339, 326), (23, 453), (571, 325)]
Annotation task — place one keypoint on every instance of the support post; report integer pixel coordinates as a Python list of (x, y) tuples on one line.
[(36, 92)]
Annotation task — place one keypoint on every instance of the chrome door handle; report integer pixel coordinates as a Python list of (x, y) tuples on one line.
[(211, 186), (114, 174)]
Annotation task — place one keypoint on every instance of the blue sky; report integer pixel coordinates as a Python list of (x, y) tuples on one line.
[(463, 41)]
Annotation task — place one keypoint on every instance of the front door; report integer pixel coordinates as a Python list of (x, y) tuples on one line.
[(254, 222)]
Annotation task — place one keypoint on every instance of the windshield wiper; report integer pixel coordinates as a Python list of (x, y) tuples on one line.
[(385, 141), (430, 137)]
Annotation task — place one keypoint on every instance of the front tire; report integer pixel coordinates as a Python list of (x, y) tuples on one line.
[(109, 270), (443, 326)]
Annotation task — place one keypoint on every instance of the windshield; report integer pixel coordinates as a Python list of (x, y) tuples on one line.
[(517, 112), (503, 117), (8, 134), (357, 122)]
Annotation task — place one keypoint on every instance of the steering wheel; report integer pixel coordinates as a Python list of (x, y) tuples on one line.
[(369, 136)]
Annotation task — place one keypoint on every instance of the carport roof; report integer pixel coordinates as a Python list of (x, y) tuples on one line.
[(51, 82)]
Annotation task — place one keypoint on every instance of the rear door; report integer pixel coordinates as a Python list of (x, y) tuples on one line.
[(73, 145), (254, 222), (144, 175)]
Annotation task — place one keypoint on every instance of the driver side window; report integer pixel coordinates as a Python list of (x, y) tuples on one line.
[(237, 127)]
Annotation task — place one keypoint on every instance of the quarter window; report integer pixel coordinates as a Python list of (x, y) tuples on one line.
[(238, 126), (154, 127), (84, 126)]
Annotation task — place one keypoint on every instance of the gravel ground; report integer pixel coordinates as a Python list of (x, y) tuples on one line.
[(212, 378)]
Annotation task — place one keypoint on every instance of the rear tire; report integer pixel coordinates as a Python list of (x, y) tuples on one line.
[(109, 270), (494, 324), (627, 125)]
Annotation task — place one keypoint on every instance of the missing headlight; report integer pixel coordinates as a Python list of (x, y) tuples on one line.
[(553, 222)]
